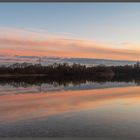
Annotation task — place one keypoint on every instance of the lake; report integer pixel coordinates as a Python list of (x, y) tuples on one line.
[(89, 108)]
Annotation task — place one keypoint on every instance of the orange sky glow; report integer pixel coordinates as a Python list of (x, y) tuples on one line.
[(23, 42)]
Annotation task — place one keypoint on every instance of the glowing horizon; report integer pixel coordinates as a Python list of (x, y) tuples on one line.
[(112, 35)]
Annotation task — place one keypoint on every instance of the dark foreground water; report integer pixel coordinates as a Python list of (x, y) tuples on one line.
[(97, 109)]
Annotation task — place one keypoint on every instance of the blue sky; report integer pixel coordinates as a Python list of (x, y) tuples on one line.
[(116, 24), (97, 21)]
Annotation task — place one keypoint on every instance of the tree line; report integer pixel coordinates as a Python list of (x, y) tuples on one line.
[(73, 70)]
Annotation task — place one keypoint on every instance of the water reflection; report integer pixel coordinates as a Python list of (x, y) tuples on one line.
[(81, 108), (22, 85), (29, 106)]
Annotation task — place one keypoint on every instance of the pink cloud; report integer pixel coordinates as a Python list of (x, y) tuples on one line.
[(22, 42)]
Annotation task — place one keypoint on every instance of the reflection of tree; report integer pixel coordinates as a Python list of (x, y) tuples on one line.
[(27, 74), (56, 82)]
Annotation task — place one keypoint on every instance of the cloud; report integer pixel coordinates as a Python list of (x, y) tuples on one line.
[(126, 43), (24, 42), (131, 45), (69, 34)]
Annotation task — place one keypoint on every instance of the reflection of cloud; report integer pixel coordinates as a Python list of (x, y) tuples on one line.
[(22, 42), (30, 106)]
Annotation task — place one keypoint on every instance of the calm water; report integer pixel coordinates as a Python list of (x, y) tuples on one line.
[(104, 109)]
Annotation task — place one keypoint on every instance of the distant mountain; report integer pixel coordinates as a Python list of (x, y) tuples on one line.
[(8, 60)]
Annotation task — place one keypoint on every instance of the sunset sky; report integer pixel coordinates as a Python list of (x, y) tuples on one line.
[(83, 30)]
